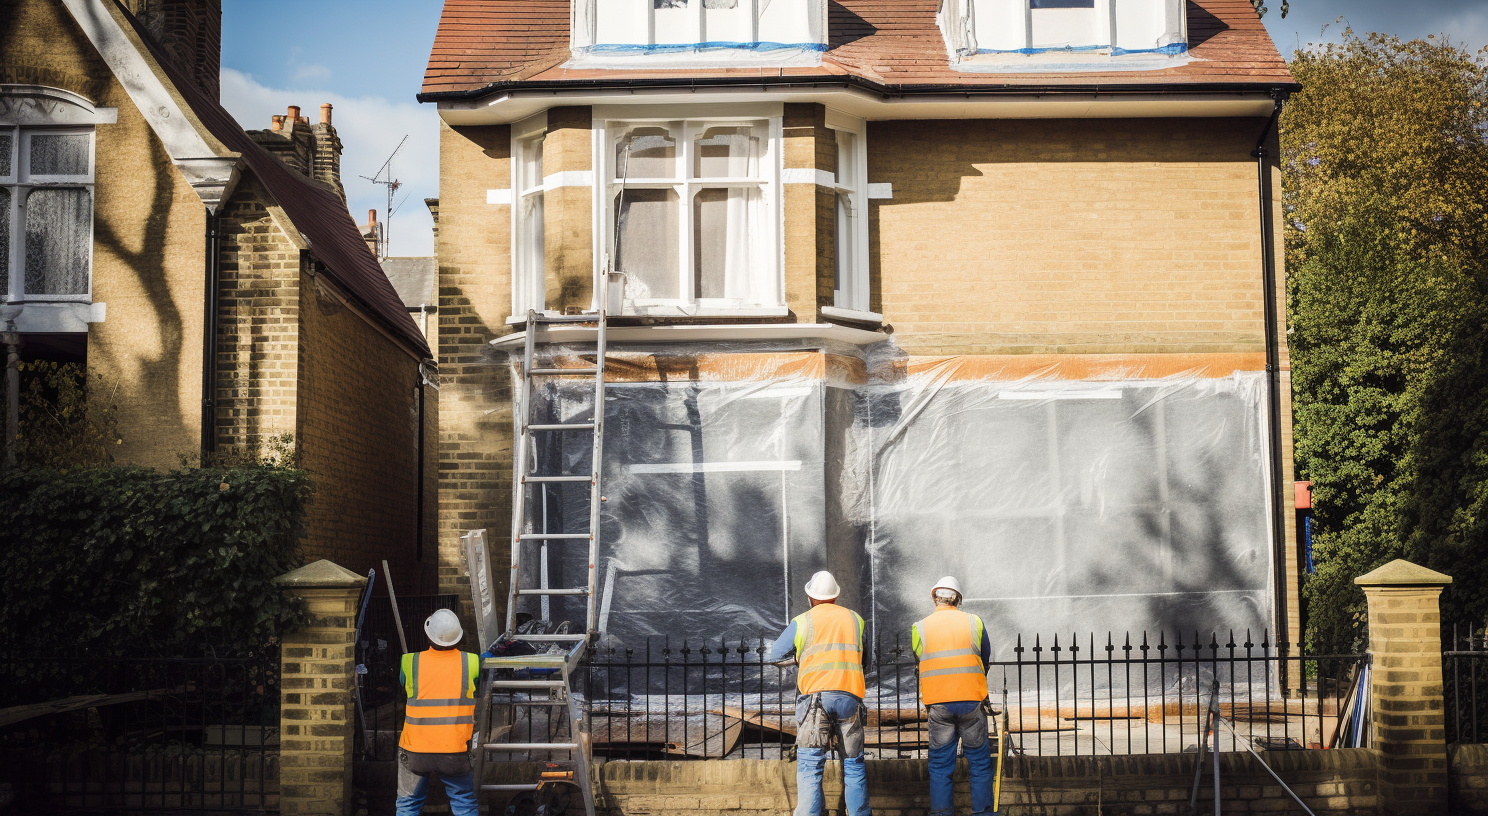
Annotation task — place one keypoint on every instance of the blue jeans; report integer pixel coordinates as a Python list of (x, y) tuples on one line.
[(840, 712), (454, 770), (964, 723)]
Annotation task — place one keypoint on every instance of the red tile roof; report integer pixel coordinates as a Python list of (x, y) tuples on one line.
[(892, 44), (319, 214)]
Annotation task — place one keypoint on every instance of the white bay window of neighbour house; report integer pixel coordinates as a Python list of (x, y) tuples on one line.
[(643, 25), (850, 289), (527, 222), (690, 213), (1110, 26), (46, 213)]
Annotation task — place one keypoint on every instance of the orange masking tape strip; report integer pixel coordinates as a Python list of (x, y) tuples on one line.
[(1084, 366)]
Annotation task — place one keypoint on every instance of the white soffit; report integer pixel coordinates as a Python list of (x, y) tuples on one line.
[(682, 333), (504, 108)]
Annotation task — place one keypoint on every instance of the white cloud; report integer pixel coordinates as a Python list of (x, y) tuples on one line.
[(369, 127), (312, 72)]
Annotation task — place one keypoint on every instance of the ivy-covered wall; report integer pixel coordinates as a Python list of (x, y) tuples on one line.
[(113, 560)]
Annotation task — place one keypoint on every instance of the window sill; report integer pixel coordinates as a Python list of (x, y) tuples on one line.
[(58, 317), (677, 312), (832, 314)]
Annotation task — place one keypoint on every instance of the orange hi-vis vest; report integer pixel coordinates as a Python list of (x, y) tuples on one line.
[(829, 650), (948, 644), (441, 701)]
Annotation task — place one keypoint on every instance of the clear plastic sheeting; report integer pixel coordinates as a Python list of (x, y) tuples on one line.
[(1128, 503)]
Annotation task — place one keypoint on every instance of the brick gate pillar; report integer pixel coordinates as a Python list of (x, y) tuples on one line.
[(315, 693), (1407, 723)]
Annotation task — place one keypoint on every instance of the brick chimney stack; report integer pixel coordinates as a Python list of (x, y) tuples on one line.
[(190, 31), (311, 150), (327, 145), (372, 233)]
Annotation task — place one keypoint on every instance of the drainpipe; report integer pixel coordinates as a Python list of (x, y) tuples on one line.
[(209, 343), (11, 339), (1273, 361), (418, 547)]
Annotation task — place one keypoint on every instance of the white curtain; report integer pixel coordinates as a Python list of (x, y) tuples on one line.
[(58, 237)]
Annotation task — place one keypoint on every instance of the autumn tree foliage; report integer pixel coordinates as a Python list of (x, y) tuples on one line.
[(1386, 182)]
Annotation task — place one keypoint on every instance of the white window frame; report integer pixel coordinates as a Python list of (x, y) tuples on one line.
[(528, 262), (852, 289), (21, 184), (691, 121)]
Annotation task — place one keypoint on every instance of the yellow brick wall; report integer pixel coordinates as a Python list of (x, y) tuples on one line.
[(1080, 235), (257, 324), (148, 243), (475, 391), (357, 432)]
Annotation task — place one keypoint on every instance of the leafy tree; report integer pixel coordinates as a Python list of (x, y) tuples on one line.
[(1386, 169)]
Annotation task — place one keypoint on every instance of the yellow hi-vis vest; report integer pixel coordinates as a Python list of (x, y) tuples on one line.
[(829, 650), (948, 644), (441, 701)]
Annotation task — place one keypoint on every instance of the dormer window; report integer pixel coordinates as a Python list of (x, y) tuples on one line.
[(682, 33), (1054, 35)]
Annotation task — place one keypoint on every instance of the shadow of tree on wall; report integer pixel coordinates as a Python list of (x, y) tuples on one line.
[(159, 380)]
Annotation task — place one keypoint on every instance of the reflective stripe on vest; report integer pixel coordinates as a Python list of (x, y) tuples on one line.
[(948, 644), (829, 649), (441, 701)]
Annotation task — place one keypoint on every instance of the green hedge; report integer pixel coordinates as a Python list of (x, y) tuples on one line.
[(129, 560)]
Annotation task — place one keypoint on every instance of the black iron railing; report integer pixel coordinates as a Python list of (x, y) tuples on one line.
[(141, 734), (1062, 695), (1465, 672), (681, 699)]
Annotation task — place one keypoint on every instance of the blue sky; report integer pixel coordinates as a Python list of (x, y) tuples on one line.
[(367, 59)]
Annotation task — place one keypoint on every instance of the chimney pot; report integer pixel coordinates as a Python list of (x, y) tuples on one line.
[(371, 217), (325, 113), (277, 123), (294, 112)]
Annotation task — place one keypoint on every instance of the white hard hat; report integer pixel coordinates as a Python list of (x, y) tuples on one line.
[(948, 582), (822, 587), (443, 628)]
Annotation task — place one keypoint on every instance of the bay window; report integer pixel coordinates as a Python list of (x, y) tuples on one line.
[(850, 288), (528, 251), (46, 213), (690, 214)]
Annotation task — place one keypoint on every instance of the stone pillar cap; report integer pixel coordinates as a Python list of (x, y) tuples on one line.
[(1401, 572), (321, 573)]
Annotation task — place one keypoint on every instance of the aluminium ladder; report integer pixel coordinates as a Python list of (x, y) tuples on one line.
[(513, 685)]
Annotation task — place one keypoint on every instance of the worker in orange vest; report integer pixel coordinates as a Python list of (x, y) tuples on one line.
[(828, 643), (954, 652), (440, 683)]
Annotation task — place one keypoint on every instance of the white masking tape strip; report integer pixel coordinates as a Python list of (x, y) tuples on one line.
[(880, 189), (807, 175), (715, 467), (499, 196), (569, 178), (1110, 394)]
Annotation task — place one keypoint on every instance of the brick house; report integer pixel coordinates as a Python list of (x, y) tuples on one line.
[(905, 287), (212, 275)]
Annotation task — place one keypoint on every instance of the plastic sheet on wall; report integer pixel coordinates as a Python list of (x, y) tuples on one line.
[(1121, 500)]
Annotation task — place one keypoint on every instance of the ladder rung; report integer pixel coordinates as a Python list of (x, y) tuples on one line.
[(526, 479), (563, 371), (519, 747), (528, 683), (564, 591), (535, 703), (563, 426), (555, 638), (554, 536), (527, 787)]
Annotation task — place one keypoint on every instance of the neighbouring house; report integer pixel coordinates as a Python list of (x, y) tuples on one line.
[(213, 276), (982, 287)]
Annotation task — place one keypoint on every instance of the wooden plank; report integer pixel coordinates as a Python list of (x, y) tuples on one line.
[(21, 713)]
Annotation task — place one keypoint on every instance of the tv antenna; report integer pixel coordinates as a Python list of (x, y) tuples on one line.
[(384, 176)]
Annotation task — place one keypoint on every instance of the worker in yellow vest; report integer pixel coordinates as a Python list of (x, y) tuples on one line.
[(827, 641), (954, 652), (440, 683)]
